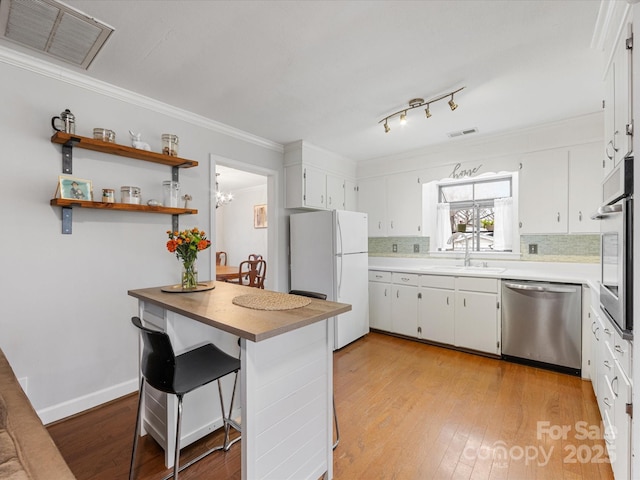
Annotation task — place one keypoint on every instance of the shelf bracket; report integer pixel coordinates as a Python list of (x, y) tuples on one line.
[(175, 175), (67, 220), (67, 158), (175, 223)]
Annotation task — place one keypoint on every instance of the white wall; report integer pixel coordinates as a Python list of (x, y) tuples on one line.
[(64, 309)]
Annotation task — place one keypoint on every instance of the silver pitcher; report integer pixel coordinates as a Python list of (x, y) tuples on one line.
[(68, 121)]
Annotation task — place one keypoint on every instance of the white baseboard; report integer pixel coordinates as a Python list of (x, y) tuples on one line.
[(80, 404)]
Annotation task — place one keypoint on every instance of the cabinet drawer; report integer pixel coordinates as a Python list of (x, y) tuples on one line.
[(405, 278), (438, 281), (622, 352), (378, 276), (477, 284)]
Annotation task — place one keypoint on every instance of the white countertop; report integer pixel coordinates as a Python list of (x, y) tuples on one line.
[(581, 273)]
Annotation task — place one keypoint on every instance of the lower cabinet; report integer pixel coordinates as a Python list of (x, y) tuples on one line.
[(460, 311), (610, 377), (404, 303), (380, 300)]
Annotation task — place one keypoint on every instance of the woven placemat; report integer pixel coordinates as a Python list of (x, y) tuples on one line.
[(271, 301)]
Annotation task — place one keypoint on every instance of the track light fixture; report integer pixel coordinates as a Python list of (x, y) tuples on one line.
[(417, 103)]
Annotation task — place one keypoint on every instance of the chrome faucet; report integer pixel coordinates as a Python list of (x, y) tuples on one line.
[(467, 253)]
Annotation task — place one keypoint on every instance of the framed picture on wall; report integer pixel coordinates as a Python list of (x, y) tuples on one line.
[(75, 188), (259, 216)]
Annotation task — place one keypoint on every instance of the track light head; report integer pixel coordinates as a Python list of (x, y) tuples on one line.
[(403, 118), (427, 112), (452, 104), (387, 129)]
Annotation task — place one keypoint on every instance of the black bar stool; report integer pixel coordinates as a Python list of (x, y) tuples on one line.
[(179, 375), (321, 296)]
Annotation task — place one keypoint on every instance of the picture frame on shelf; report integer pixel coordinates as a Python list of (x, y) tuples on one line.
[(73, 188), (259, 216)]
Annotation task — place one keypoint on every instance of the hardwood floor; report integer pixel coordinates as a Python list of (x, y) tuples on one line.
[(407, 411)]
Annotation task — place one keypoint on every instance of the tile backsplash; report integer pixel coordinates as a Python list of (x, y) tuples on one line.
[(550, 248)]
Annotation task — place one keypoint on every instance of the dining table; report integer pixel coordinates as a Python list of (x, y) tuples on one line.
[(227, 272), (286, 374)]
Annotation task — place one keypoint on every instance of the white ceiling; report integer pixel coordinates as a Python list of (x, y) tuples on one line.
[(328, 71)]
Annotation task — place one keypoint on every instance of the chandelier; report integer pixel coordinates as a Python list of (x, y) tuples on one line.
[(417, 103), (222, 198)]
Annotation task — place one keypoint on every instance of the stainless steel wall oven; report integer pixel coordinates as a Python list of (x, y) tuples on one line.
[(616, 245)]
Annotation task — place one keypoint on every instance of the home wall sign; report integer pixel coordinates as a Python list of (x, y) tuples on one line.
[(461, 173)]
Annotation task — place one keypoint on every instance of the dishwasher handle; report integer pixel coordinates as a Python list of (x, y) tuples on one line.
[(540, 288)]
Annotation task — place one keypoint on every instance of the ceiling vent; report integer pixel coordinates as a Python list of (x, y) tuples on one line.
[(459, 133), (54, 29)]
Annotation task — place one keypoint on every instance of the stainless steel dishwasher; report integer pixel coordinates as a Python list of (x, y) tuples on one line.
[(542, 324)]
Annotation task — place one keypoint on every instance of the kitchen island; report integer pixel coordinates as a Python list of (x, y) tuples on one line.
[(286, 381)]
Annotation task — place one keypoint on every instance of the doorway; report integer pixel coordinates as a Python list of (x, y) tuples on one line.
[(243, 217)]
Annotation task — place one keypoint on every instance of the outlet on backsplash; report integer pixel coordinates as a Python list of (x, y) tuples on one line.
[(394, 248), (533, 248), (416, 248)]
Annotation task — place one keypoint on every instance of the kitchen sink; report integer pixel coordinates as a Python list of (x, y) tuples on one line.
[(463, 269)]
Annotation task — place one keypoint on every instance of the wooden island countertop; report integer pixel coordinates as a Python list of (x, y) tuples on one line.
[(215, 308)]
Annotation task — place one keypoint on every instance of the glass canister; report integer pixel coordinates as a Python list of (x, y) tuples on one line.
[(108, 195), (130, 195), (104, 134), (170, 193), (170, 144)]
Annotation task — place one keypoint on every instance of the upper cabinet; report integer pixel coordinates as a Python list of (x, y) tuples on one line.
[(556, 191), (317, 179), (393, 204), (617, 99)]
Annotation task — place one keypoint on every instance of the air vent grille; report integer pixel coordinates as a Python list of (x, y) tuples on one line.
[(53, 28), (459, 133)]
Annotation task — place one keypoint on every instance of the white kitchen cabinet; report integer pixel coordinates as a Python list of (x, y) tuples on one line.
[(622, 94), (477, 318), (543, 194), (585, 176), (314, 178), (404, 304), (372, 200), (350, 196), (558, 190), (621, 386), (380, 300), (436, 314), (393, 203)]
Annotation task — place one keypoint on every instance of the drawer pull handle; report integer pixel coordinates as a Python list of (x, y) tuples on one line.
[(606, 364), (614, 389), (619, 349), (605, 400)]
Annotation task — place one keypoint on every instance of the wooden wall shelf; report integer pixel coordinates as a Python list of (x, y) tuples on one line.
[(87, 143), (67, 202)]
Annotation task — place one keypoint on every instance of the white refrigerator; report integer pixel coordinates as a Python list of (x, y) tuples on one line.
[(329, 255)]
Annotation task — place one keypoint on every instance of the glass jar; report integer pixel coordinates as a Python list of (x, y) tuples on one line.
[(104, 134), (170, 193), (170, 144), (130, 195), (108, 195)]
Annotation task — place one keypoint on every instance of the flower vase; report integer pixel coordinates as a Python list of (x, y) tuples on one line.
[(189, 275)]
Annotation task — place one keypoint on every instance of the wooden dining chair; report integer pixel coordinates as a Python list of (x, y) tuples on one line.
[(221, 258), (252, 273)]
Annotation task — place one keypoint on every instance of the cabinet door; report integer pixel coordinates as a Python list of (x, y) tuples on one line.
[(404, 205), (585, 176), (621, 387), (595, 326), (436, 315), (543, 195), (476, 324), (350, 196), (315, 188), (335, 193), (380, 306), (622, 97), (372, 199), (404, 310), (609, 121)]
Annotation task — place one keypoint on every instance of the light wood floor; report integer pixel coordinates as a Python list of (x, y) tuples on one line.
[(407, 411)]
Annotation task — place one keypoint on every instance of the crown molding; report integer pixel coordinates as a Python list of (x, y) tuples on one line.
[(47, 69)]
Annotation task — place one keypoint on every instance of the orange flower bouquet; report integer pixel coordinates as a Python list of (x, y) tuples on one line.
[(186, 245)]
